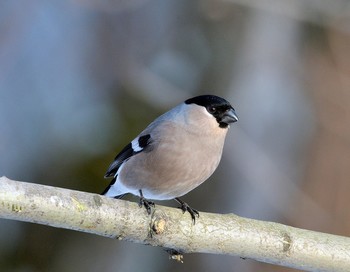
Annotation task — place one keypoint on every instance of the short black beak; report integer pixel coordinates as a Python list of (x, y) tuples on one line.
[(229, 116)]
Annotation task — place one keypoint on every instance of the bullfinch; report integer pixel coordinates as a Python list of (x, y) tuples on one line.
[(174, 154)]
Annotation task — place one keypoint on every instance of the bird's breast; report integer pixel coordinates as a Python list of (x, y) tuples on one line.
[(175, 165)]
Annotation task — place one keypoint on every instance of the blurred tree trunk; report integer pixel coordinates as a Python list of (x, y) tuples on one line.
[(327, 176), (327, 173)]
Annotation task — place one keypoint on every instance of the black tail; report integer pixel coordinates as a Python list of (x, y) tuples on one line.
[(106, 190), (109, 186)]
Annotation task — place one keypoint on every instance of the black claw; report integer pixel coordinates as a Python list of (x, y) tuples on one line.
[(185, 208), (146, 203)]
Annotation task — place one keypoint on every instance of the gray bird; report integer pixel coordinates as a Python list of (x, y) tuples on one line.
[(176, 153)]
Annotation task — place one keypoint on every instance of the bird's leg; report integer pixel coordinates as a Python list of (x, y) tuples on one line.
[(184, 207), (146, 203)]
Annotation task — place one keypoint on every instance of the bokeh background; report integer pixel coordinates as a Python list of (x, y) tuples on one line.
[(79, 79)]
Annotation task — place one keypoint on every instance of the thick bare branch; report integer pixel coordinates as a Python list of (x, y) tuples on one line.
[(170, 228)]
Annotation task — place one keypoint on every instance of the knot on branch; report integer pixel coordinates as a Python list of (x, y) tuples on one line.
[(158, 225)]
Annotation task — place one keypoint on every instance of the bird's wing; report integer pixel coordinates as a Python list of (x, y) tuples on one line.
[(139, 144)]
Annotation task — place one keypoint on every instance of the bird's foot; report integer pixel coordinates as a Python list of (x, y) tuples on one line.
[(186, 208), (146, 203)]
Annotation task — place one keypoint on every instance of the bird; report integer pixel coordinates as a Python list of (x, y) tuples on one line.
[(174, 154)]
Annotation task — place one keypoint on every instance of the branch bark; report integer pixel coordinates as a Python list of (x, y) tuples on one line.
[(170, 228)]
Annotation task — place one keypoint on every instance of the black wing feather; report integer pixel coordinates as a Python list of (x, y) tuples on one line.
[(126, 153)]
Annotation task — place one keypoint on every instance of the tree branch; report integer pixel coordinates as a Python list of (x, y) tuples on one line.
[(170, 228)]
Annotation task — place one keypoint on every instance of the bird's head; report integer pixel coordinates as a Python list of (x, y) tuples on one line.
[(216, 106)]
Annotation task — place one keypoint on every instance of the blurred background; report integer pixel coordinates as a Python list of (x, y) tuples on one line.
[(79, 79)]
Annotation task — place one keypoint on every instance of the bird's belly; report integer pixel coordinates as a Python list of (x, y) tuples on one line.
[(170, 172)]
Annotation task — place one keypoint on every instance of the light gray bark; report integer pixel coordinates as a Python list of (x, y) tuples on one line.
[(170, 228)]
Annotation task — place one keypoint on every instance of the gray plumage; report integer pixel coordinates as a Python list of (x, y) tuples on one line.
[(177, 152)]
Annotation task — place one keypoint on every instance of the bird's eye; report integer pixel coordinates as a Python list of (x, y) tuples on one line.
[(211, 110)]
